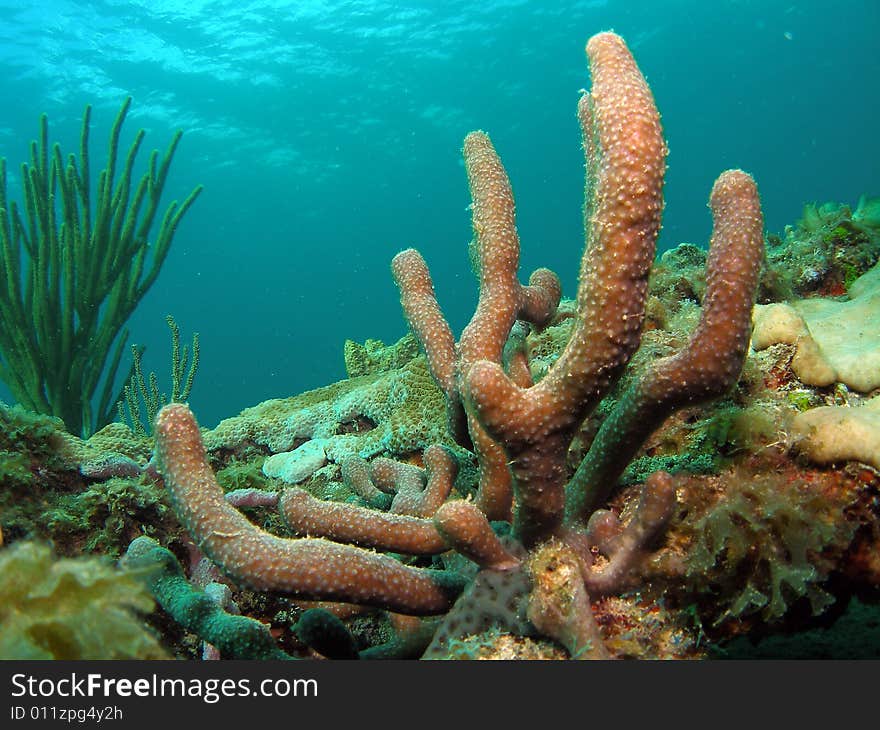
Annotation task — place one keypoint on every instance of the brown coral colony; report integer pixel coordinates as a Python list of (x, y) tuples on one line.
[(519, 431)]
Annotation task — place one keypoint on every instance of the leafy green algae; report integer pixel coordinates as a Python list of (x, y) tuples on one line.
[(70, 608)]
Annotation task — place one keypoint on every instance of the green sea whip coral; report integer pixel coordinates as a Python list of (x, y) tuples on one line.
[(148, 388), (74, 268)]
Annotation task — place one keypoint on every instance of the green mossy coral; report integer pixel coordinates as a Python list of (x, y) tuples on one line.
[(120, 439), (823, 253), (44, 493), (237, 637), (15, 469), (704, 444), (396, 412), (34, 466), (640, 469), (374, 356), (679, 275), (108, 515), (244, 474), (80, 608), (25, 432), (544, 346), (707, 441)]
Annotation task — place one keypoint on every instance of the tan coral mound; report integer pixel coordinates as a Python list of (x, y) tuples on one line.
[(840, 433), (837, 341)]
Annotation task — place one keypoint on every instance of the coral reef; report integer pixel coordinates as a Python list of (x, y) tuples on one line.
[(388, 411), (613, 476), (519, 432), (83, 496), (374, 356)]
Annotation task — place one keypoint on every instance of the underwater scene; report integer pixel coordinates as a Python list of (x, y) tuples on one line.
[(419, 330)]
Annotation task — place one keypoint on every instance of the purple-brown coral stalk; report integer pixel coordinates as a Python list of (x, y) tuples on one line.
[(626, 160), (304, 567), (706, 367)]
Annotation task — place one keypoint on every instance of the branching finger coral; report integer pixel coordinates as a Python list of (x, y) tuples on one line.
[(519, 431)]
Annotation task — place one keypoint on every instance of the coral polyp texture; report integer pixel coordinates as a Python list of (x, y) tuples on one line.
[(616, 475), (518, 431)]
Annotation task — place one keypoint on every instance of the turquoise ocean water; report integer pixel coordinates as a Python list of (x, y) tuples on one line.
[(328, 134)]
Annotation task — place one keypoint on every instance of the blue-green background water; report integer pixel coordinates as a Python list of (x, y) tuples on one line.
[(328, 135)]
